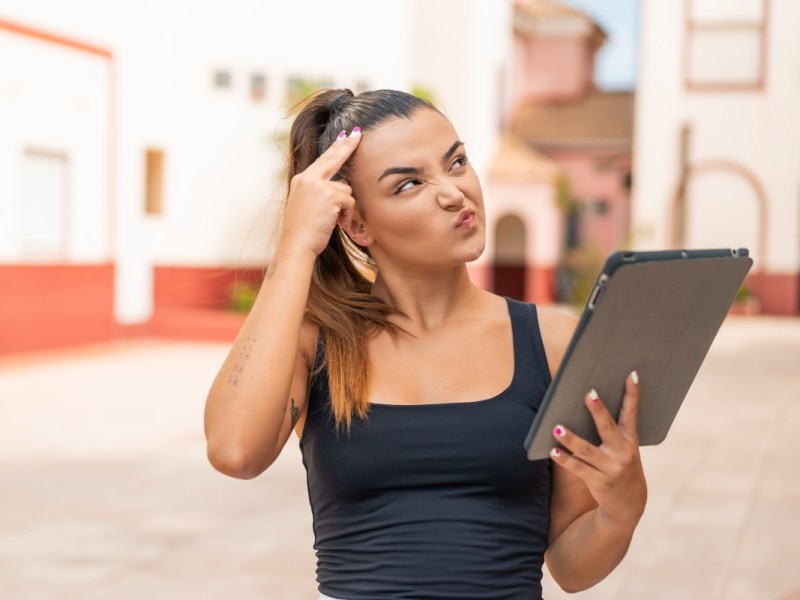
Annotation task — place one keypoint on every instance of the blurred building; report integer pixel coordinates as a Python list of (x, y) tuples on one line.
[(141, 154), (574, 193), (717, 146)]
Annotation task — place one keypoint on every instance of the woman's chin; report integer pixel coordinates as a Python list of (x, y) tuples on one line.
[(476, 252)]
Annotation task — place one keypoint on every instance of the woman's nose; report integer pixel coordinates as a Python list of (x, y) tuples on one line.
[(449, 196)]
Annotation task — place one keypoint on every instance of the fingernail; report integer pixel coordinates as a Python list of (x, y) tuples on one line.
[(635, 376), (341, 135), (593, 395), (555, 452), (559, 431), (356, 131)]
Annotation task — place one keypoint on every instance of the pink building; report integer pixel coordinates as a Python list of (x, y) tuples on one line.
[(591, 141), (524, 223), (557, 114)]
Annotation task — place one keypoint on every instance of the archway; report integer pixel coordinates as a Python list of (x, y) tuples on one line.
[(509, 268), (711, 207)]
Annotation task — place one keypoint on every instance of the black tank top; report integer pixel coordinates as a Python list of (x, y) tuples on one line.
[(435, 500)]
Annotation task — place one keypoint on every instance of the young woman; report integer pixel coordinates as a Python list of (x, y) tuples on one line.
[(410, 388)]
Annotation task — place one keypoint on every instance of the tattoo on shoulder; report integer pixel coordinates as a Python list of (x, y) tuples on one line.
[(295, 412)]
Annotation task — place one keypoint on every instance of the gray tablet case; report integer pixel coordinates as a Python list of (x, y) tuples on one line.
[(657, 312)]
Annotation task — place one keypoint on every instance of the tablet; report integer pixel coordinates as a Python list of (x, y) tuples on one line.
[(656, 312)]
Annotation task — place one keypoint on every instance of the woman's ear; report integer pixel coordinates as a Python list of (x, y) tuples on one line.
[(357, 230)]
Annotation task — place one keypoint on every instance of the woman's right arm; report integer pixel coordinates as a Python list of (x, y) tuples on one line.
[(260, 390)]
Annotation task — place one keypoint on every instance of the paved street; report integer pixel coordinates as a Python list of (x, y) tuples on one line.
[(107, 493)]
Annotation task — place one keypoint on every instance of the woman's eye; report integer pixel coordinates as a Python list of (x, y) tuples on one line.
[(406, 185), (459, 162)]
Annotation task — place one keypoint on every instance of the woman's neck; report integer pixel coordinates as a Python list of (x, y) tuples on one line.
[(427, 302)]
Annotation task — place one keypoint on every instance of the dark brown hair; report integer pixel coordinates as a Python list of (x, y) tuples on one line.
[(339, 299)]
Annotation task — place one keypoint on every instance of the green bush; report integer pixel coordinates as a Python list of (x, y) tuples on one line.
[(243, 296), (744, 292), (579, 272)]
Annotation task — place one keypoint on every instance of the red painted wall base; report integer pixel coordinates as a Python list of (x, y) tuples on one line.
[(196, 324), (533, 284), (777, 294), (200, 287), (51, 306), (191, 303)]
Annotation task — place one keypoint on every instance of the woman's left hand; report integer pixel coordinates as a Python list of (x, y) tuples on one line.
[(613, 470)]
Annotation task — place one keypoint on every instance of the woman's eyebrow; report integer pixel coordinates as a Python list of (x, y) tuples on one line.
[(400, 171), (417, 170), (446, 156)]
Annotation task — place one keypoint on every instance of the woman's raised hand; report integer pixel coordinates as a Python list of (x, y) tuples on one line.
[(316, 203), (613, 470)]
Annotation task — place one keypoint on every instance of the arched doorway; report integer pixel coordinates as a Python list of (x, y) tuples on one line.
[(722, 204), (509, 268)]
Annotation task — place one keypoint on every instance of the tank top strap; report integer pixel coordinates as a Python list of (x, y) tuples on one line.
[(529, 352)]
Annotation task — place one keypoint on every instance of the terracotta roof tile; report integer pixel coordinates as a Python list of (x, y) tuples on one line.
[(516, 161), (601, 119)]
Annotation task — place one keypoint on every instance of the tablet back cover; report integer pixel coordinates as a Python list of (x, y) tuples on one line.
[(657, 317)]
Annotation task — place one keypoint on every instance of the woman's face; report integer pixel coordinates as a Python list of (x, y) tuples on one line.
[(418, 201)]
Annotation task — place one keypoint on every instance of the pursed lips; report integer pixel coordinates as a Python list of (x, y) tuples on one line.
[(463, 216)]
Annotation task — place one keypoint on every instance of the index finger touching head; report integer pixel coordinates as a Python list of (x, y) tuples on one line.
[(331, 161)]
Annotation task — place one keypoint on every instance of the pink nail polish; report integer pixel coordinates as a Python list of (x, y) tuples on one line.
[(341, 135), (555, 452), (559, 431), (356, 131)]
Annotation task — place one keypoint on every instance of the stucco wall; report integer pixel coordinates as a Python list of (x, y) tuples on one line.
[(758, 130)]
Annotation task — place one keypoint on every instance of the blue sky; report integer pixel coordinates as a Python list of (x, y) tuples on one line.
[(616, 67)]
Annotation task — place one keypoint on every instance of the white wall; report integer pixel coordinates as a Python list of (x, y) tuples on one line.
[(53, 103), (758, 129), (459, 52), (221, 155), (221, 158)]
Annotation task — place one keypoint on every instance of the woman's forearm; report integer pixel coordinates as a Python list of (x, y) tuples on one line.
[(247, 402), (587, 551)]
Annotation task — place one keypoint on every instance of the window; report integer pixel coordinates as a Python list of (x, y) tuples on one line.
[(258, 87), (44, 200), (627, 180), (154, 182), (222, 79), (600, 208), (726, 44)]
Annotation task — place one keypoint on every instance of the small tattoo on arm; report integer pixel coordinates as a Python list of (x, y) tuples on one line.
[(238, 367), (295, 412)]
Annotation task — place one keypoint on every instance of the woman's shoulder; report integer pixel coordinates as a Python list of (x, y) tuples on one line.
[(556, 326)]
